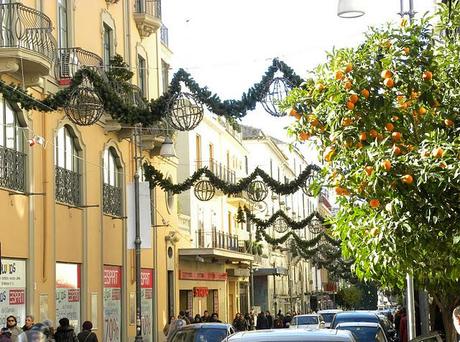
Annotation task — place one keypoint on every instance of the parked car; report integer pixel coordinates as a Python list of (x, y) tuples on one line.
[(431, 337), (328, 316), (292, 335), (364, 331), (310, 321), (203, 332)]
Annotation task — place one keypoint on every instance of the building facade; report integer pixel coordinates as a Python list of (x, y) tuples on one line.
[(64, 188)]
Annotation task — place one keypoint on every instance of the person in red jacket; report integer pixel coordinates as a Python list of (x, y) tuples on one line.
[(403, 326)]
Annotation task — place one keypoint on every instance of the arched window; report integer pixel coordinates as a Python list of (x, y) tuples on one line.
[(112, 183), (67, 162), (12, 156)]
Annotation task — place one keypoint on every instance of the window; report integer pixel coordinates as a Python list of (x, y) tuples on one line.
[(66, 159), (165, 75), (112, 193), (142, 74), (198, 150), (63, 29), (169, 199), (12, 156), (108, 44)]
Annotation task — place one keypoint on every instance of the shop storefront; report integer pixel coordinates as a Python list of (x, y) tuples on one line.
[(68, 301), (13, 290), (112, 303), (147, 304)]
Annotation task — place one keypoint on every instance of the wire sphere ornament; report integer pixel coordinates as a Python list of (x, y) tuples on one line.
[(275, 92), (84, 106), (306, 188), (280, 225), (257, 191), (204, 190), (185, 112), (315, 226)]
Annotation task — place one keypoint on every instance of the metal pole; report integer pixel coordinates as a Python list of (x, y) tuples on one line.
[(137, 241), (251, 271), (274, 288), (410, 307)]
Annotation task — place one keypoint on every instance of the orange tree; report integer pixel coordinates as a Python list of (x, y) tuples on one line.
[(385, 118)]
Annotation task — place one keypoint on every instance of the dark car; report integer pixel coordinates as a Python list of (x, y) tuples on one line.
[(203, 332), (362, 316)]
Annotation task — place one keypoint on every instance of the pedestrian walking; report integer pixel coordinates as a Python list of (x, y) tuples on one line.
[(87, 335), (50, 333), (183, 316), (269, 319), (12, 327), (262, 321), (205, 317), (214, 318), (239, 323), (29, 322), (65, 332), (197, 319), (403, 326)]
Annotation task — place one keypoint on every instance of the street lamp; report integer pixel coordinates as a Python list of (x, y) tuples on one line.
[(167, 148)]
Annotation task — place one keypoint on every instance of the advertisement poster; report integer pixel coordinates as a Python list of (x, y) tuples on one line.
[(147, 303), (68, 293), (13, 290), (112, 304)]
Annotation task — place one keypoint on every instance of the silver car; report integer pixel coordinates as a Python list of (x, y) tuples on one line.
[(292, 335)]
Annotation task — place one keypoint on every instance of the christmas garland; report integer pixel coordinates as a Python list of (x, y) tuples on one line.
[(156, 109), (305, 244), (156, 178)]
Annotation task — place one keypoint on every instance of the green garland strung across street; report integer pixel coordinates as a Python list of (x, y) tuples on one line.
[(280, 213), (156, 178), (156, 109), (305, 244)]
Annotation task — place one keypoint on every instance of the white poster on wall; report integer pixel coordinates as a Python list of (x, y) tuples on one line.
[(68, 293), (112, 304), (13, 290), (146, 304), (145, 215)]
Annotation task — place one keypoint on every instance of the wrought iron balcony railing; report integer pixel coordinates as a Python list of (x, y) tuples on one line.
[(67, 186), (130, 94), (216, 239), (164, 36), (70, 60), (12, 169), (26, 28), (150, 7), (112, 198), (218, 169)]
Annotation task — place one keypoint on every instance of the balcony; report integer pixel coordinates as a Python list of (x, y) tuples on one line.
[(112, 197), (130, 94), (216, 239), (12, 169), (67, 186), (27, 46), (218, 169), (70, 60), (164, 36), (147, 15)]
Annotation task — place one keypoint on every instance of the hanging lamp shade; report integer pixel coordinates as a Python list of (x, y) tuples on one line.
[(167, 148), (350, 8)]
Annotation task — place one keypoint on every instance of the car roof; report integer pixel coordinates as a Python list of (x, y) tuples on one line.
[(206, 326), (307, 315), (357, 324), (356, 314), (330, 311), (292, 335)]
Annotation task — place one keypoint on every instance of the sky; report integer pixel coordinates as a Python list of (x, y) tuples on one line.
[(228, 45)]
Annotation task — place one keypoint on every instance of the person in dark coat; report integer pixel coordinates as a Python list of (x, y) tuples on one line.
[(65, 332), (403, 326), (262, 321), (197, 319), (29, 323), (87, 335), (269, 319), (214, 318), (205, 317), (5, 335), (239, 323)]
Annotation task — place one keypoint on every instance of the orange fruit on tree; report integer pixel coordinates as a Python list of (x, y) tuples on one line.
[(348, 85), (311, 117), (365, 93), (422, 110), (328, 153), (437, 152), (341, 191), (373, 133), (394, 118), (386, 74), (339, 75), (388, 82), (353, 98), (386, 165), (350, 105), (396, 150), (314, 123), (374, 203), (406, 50), (369, 170), (448, 122), (304, 136), (359, 144), (442, 165), (396, 136), (319, 87), (414, 95), (293, 112), (427, 75), (346, 122), (348, 68), (407, 179), (362, 136), (401, 99), (389, 127)]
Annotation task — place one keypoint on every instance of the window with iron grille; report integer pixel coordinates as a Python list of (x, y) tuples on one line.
[(112, 191), (165, 75), (142, 74), (12, 156), (63, 24), (108, 45), (67, 164)]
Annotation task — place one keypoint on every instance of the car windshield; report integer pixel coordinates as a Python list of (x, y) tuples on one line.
[(328, 317), (362, 334), (305, 320), (355, 318), (200, 335)]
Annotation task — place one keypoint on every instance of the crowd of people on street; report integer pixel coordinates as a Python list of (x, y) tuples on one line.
[(45, 331)]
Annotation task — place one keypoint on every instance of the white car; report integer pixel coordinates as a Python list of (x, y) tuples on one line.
[(310, 321), (328, 316), (292, 335), (364, 331)]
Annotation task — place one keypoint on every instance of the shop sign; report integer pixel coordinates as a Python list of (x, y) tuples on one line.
[(184, 275), (13, 289), (147, 304), (200, 292), (112, 304), (68, 293)]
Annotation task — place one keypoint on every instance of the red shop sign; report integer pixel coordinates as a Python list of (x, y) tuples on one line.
[(185, 275), (200, 292), (112, 277), (146, 278)]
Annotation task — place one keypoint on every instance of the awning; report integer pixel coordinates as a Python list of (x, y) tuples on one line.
[(214, 253), (270, 271)]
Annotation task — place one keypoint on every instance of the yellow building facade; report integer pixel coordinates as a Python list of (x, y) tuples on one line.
[(64, 188)]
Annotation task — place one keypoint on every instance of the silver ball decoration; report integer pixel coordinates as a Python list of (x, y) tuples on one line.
[(280, 225), (185, 112), (84, 107), (276, 91), (204, 190), (257, 191), (315, 226)]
